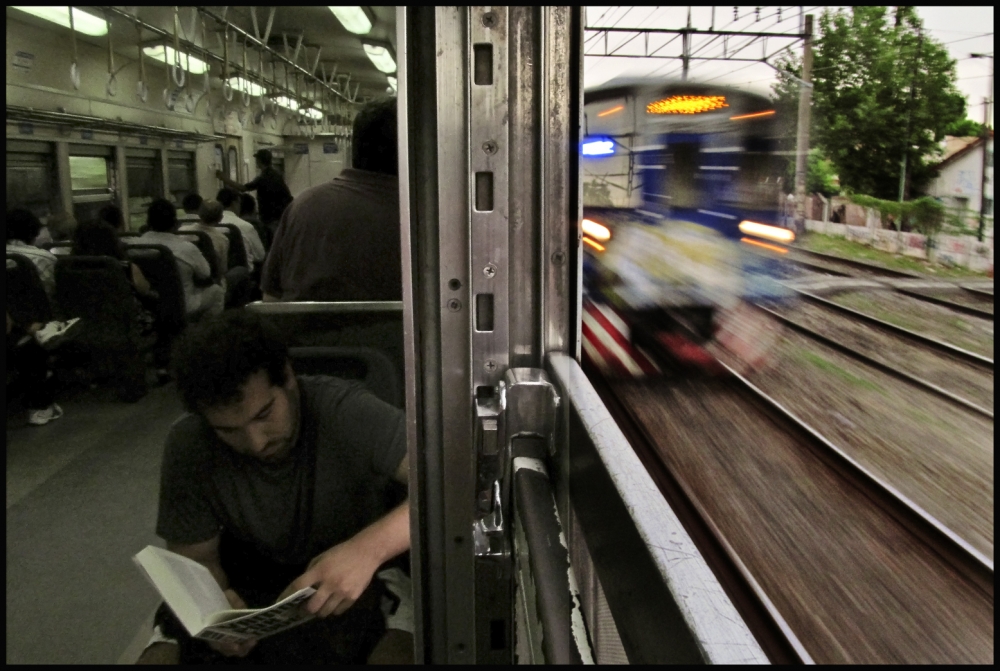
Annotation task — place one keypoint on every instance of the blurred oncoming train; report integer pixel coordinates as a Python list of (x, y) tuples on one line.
[(682, 228)]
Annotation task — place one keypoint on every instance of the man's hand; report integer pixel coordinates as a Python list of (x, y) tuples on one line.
[(340, 575), (243, 648)]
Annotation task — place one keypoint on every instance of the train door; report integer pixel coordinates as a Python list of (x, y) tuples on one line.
[(143, 170), (93, 178), (31, 177), (180, 174)]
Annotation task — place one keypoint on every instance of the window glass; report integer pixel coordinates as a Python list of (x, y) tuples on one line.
[(88, 172)]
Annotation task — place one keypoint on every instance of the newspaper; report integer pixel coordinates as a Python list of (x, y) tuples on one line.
[(194, 596)]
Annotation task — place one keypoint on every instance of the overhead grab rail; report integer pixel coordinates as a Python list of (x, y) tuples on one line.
[(141, 88), (112, 86), (203, 51), (74, 68), (177, 72), (18, 113)]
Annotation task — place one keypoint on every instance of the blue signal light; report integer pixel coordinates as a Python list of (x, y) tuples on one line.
[(598, 146)]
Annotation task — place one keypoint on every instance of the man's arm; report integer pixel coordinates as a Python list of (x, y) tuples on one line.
[(342, 573), (228, 182)]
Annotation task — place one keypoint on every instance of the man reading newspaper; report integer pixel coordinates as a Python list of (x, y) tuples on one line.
[(276, 482)]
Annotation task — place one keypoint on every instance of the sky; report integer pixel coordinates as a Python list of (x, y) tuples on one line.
[(963, 30)]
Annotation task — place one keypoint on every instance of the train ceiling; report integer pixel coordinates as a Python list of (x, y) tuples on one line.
[(341, 53)]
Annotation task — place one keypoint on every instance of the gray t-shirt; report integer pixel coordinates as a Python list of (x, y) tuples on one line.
[(333, 484)]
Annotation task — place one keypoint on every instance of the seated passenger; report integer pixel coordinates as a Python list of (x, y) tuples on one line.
[(191, 204), (339, 241), (248, 213), (113, 216), (60, 227), (277, 482), (30, 361), (99, 239), (191, 263), (230, 200), (208, 216), (22, 229)]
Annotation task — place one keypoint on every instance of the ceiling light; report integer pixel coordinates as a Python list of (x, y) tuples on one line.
[(381, 56), (357, 20), (85, 23), (287, 103), (240, 84), (165, 54)]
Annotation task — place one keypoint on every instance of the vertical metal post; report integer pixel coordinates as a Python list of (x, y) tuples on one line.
[(802, 137), (904, 162), (985, 179)]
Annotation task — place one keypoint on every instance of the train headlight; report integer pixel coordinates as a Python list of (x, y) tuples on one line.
[(765, 231), (595, 230)]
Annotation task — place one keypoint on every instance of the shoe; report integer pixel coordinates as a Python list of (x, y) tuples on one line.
[(40, 417), (53, 333)]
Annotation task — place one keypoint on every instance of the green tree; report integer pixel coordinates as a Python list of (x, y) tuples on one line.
[(821, 176), (864, 116), (965, 128)]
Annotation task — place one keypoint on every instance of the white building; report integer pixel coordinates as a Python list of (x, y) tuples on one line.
[(959, 179)]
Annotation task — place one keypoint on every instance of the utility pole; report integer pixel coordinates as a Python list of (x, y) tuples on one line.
[(909, 117), (802, 137), (686, 48), (986, 146)]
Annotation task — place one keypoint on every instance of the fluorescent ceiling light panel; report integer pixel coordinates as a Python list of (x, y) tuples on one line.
[(85, 23), (165, 54), (313, 113), (240, 84), (355, 19), (287, 103), (381, 57)]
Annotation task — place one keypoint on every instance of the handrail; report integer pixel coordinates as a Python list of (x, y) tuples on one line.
[(325, 307), (667, 602)]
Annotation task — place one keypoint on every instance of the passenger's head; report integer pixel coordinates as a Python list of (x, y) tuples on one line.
[(374, 143), (61, 226), (112, 216), (210, 212), (22, 225), (191, 203), (97, 239), (235, 373), (247, 204), (230, 198), (263, 158), (161, 216)]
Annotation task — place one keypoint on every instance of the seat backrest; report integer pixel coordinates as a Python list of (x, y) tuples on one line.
[(237, 249), (203, 241), (157, 263), (27, 301), (364, 364), (96, 289)]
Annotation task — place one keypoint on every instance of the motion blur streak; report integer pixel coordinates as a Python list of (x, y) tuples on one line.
[(765, 231), (599, 247), (612, 110), (751, 116), (773, 248)]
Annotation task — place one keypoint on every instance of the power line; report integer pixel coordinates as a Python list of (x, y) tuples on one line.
[(969, 38)]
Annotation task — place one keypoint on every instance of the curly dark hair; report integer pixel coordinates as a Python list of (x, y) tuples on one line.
[(214, 358), (374, 144)]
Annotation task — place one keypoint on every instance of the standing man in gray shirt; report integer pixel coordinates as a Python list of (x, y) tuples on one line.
[(339, 241), (276, 481)]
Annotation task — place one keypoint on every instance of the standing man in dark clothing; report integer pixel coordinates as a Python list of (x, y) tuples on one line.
[(339, 241), (272, 192)]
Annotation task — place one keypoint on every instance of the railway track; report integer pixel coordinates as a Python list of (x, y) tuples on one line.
[(878, 364), (927, 341), (871, 270), (839, 554)]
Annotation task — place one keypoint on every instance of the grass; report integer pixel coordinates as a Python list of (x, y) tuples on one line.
[(864, 304), (832, 368), (828, 244)]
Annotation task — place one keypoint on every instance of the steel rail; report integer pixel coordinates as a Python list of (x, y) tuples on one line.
[(944, 302), (957, 352), (820, 268), (969, 561), (879, 365), (979, 293), (870, 267)]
